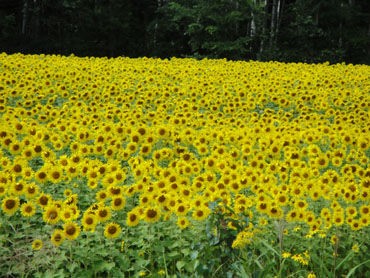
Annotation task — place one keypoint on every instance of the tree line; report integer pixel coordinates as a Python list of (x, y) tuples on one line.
[(283, 30)]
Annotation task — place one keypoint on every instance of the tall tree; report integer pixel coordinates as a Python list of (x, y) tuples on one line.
[(219, 28), (286, 30)]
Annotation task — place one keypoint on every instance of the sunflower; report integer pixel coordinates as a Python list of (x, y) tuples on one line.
[(365, 221), (351, 211), (37, 244), (120, 176), (3, 189), (28, 209), (300, 205), (67, 214), (181, 209), (44, 199), (114, 191), (71, 200), (63, 161), (31, 191), (338, 218), (41, 175), (321, 161), (355, 225), (103, 213), (183, 222), (118, 203), (292, 215), (109, 180), (152, 214), (101, 195), (112, 230), (51, 214), (71, 172), (162, 199), (133, 218), (131, 147), (201, 213), (365, 210), (92, 184), (17, 188), (71, 230), (263, 206), (89, 222), (282, 199), (67, 192), (145, 149), (10, 205), (275, 212), (55, 174), (57, 237)]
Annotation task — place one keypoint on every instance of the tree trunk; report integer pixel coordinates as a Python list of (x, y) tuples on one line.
[(252, 31), (264, 28), (278, 19), (273, 23), (24, 16)]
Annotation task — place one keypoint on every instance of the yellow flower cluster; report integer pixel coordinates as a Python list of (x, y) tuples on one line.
[(91, 141), (303, 258), (245, 237)]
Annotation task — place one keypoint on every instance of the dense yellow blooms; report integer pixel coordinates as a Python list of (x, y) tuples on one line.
[(90, 140)]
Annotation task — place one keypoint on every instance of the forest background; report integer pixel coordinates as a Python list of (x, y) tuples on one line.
[(311, 31)]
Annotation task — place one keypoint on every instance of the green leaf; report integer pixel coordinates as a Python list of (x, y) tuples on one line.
[(185, 251), (173, 254), (270, 247), (72, 266), (180, 265), (350, 254), (104, 266), (354, 269), (194, 255)]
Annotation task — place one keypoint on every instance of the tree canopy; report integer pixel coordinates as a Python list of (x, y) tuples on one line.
[(283, 30)]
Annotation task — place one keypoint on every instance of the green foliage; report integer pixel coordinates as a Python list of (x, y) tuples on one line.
[(149, 248), (305, 31)]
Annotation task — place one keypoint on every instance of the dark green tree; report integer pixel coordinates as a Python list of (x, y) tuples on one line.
[(219, 28), (284, 30)]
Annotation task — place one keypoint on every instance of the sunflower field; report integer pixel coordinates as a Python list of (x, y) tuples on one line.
[(146, 167)]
